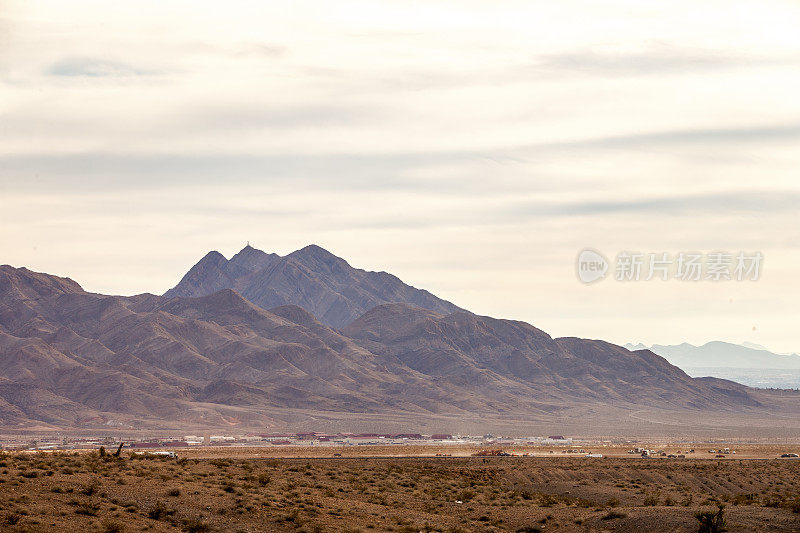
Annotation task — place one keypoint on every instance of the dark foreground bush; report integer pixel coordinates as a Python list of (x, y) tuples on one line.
[(711, 522)]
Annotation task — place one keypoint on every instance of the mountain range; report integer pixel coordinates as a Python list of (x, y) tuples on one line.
[(746, 363), (264, 341), (718, 354)]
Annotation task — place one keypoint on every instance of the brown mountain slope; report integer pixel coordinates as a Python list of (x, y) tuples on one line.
[(312, 278), (160, 357), (69, 358), (469, 348)]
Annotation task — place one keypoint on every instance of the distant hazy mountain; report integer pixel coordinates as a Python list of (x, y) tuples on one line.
[(312, 278), (722, 355), (639, 346), (754, 346)]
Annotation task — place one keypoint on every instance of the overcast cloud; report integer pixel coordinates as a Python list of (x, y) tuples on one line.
[(472, 148)]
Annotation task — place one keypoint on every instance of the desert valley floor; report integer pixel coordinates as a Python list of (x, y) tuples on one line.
[(365, 489)]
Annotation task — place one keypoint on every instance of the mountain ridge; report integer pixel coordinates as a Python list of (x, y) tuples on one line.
[(74, 359), (311, 277), (724, 355)]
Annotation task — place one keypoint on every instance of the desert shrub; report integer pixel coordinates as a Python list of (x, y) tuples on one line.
[(650, 501), (174, 492), (612, 502), (90, 489), (110, 526), (87, 509), (263, 479), (584, 503), (466, 495), (547, 500), (611, 515), (294, 517), (159, 511), (711, 522), (773, 500), (12, 518), (195, 525)]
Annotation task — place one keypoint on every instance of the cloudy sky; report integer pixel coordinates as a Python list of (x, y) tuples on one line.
[(472, 148)]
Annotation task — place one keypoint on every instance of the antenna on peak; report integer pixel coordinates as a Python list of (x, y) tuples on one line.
[(248, 244)]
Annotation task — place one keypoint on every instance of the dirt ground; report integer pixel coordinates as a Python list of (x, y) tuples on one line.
[(207, 490)]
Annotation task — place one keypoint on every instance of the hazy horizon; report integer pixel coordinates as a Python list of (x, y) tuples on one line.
[(470, 148)]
